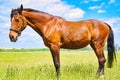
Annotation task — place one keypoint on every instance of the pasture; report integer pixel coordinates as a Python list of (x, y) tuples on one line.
[(38, 65)]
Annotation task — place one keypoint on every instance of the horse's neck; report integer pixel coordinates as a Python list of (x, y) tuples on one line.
[(37, 21)]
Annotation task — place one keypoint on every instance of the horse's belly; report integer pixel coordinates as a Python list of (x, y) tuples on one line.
[(75, 45), (76, 40)]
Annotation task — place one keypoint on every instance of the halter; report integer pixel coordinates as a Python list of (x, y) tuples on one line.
[(18, 31)]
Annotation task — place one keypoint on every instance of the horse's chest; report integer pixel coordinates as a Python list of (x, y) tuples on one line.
[(52, 39)]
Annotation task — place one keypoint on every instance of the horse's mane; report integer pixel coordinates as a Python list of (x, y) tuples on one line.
[(31, 10), (14, 11)]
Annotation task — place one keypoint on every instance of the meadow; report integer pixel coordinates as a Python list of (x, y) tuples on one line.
[(38, 65)]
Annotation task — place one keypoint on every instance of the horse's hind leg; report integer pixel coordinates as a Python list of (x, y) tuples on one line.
[(98, 48)]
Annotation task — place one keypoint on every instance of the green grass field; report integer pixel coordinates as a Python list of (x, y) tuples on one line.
[(75, 65)]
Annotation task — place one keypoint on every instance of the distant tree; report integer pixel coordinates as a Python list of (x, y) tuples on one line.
[(116, 47)]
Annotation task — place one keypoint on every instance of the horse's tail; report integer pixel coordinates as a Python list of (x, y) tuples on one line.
[(110, 48)]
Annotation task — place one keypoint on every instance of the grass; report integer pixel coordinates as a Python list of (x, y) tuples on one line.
[(75, 65)]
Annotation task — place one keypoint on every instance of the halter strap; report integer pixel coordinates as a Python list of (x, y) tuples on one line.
[(18, 31)]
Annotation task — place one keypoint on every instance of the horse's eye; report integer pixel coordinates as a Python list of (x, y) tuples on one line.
[(17, 20)]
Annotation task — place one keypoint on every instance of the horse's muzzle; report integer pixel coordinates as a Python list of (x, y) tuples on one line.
[(13, 38)]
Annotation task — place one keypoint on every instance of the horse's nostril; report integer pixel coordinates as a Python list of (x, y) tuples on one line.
[(11, 37)]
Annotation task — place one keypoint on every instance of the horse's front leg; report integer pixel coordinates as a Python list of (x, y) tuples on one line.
[(55, 50)]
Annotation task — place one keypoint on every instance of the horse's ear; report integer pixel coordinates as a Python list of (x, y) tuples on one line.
[(20, 9), (12, 10)]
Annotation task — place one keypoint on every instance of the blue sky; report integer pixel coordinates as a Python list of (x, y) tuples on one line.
[(74, 10)]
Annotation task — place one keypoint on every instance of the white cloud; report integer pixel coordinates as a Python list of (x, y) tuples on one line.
[(84, 1), (96, 7), (101, 11), (111, 1), (75, 13), (3, 18), (4, 10), (87, 1), (95, 0), (112, 21), (58, 9)]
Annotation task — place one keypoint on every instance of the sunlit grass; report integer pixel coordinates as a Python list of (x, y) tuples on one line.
[(75, 65)]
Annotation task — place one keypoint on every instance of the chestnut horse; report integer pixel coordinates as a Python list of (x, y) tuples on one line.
[(57, 33)]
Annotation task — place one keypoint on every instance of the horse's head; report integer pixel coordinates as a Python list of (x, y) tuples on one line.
[(18, 23)]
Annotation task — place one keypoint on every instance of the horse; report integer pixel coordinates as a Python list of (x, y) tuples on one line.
[(57, 33)]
